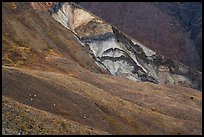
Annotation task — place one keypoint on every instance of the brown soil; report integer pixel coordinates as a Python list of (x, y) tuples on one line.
[(26, 120), (115, 105), (48, 78)]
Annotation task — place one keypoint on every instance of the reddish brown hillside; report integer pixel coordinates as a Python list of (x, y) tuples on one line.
[(154, 27), (51, 84)]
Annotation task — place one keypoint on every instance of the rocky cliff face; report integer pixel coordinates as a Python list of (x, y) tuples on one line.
[(159, 26), (51, 83), (120, 54)]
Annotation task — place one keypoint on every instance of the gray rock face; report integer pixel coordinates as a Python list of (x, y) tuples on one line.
[(158, 25), (121, 55)]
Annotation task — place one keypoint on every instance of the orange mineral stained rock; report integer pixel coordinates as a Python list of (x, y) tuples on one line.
[(41, 6)]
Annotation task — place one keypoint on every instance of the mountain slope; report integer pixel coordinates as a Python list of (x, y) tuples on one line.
[(171, 29), (22, 119), (120, 54), (189, 15), (34, 39), (51, 76), (107, 104)]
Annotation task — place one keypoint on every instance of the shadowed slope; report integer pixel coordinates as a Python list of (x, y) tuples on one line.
[(171, 29)]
